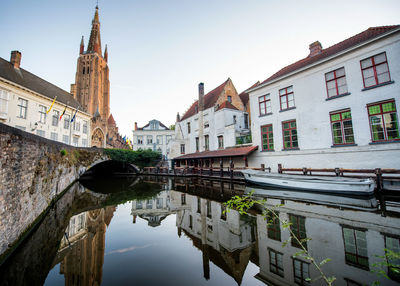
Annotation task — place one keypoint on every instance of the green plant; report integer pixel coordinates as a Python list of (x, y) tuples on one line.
[(141, 158), (243, 203), (390, 261), (63, 152)]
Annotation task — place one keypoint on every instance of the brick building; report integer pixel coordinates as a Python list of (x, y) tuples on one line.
[(92, 89)]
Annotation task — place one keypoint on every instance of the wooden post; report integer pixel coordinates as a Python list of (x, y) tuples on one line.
[(231, 167), (201, 167), (263, 167), (304, 171), (221, 167), (337, 172), (280, 168), (246, 163), (379, 182)]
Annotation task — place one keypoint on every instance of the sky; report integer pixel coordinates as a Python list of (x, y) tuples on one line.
[(160, 50)]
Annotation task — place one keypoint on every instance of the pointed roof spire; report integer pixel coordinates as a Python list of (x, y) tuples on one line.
[(94, 40), (82, 47), (96, 15), (106, 54)]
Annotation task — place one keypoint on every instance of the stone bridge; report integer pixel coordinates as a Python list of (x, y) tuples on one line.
[(34, 173)]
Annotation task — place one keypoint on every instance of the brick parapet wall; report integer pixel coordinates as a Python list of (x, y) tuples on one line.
[(33, 172)]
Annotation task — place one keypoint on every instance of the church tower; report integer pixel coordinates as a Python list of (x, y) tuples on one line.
[(92, 86)]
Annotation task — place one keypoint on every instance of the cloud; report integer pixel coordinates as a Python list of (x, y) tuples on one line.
[(123, 250)]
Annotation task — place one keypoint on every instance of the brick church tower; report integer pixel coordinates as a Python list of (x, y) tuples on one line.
[(92, 85)]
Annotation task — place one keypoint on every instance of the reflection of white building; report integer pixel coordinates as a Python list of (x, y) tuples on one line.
[(154, 135), (224, 238), (350, 238), (153, 210), (75, 230)]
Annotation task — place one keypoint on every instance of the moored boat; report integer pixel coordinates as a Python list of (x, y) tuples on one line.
[(337, 185)]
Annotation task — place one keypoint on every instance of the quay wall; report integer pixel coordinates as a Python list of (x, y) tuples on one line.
[(34, 171)]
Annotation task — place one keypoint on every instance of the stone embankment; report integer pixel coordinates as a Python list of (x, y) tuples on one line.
[(34, 172)]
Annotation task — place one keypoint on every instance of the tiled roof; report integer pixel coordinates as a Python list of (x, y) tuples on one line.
[(227, 104), (244, 95), (337, 48), (35, 83), (209, 100), (228, 152), (148, 124), (111, 120)]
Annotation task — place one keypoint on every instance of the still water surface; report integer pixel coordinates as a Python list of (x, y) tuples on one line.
[(156, 231)]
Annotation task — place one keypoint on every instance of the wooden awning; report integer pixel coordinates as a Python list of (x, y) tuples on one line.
[(228, 152)]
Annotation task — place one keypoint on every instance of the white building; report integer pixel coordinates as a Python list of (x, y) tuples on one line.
[(217, 121), (25, 99), (335, 108), (155, 136)]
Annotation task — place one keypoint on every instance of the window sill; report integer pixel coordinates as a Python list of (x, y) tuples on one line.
[(384, 142), (338, 96), (378, 85), (357, 265), (267, 151), (266, 114), (290, 149), (287, 109), (343, 145)]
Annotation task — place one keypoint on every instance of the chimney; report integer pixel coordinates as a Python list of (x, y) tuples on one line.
[(315, 49), (15, 59), (201, 96), (178, 117), (136, 128)]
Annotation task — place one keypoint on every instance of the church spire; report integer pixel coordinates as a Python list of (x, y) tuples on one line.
[(106, 54), (82, 47), (94, 40)]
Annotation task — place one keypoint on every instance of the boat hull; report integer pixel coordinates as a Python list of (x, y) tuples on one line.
[(296, 182)]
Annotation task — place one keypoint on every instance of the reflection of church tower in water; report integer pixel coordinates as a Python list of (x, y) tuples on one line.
[(83, 260), (92, 88)]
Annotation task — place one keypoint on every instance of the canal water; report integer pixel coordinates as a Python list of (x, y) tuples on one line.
[(160, 231)]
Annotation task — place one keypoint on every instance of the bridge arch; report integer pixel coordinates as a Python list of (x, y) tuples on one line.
[(110, 168)]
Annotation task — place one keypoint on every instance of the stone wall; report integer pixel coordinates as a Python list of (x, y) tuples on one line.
[(34, 171)]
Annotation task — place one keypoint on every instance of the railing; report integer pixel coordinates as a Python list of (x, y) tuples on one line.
[(225, 172)]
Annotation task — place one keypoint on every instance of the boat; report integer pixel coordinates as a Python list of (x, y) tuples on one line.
[(336, 185), (369, 203)]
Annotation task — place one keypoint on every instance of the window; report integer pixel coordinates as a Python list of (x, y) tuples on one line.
[(273, 226), (56, 115), (77, 126), (190, 221), (289, 134), (140, 140), (139, 205), (206, 142), (393, 244), (22, 108), (246, 121), (264, 104), (168, 138), (54, 136), (159, 139), (42, 113), (230, 98), (275, 262), (4, 97), (267, 138), (350, 282), (220, 142), (188, 127), (223, 211), (66, 121), (336, 82), (84, 142), (198, 205), (301, 272), (149, 139), (298, 227), (355, 247), (286, 97), (234, 119), (159, 203), (375, 70), (182, 148), (85, 127), (75, 141), (65, 139), (209, 208), (206, 125), (149, 204), (342, 127), (197, 144), (41, 133), (183, 199), (383, 121)]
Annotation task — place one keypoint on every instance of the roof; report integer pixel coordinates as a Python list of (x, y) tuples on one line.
[(244, 95), (228, 152), (209, 100), (227, 104), (148, 124), (362, 37), (111, 120), (35, 83)]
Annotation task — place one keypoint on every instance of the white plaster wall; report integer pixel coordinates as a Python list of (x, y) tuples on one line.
[(165, 149), (33, 116), (312, 114)]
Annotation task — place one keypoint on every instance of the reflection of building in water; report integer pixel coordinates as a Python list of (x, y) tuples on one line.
[(83, 256), (153, 210), (224, 238), (350, 238)]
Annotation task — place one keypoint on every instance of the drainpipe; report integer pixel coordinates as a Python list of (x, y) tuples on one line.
[(201, 108)]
